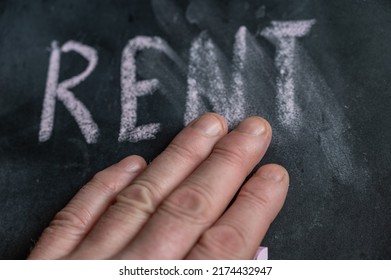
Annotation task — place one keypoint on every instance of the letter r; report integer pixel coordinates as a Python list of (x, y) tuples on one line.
[(60, 91)]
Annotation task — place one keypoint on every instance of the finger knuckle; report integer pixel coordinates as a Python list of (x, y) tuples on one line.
[(223, 241), (254, 197), (188, 153), (70, 220), (189, 205), (99, 181), (233, 156), (136, 198)]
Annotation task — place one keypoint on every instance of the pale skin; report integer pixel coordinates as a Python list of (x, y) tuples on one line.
[(176, 207)]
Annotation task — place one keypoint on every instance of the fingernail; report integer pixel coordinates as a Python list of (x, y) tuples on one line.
[(133, 167), (208, 124), (272, 174), (254, 126)]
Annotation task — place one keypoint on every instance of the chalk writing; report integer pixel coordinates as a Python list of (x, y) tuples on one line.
[(207, 79), (284, 35), (60, 91), (131, 89)]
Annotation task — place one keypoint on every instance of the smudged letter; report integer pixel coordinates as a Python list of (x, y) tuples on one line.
[(237, 84), (60, 91), (131, 89), (284, 35), (207, 79)]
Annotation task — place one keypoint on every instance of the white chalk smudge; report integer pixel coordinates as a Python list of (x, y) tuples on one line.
[(327, 123), (284, 35), (203, 73), (131, 89), (239, 56), (206, 78), (322, 118), (60, 91)]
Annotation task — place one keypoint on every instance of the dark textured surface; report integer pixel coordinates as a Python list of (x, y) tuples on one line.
[(338, 205)]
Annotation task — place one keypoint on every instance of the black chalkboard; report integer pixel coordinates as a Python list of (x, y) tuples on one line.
[(72, 103)]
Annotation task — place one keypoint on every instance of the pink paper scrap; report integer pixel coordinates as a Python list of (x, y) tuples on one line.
[(261, 254)]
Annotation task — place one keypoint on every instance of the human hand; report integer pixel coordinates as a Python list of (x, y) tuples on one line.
[(174, 208)]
